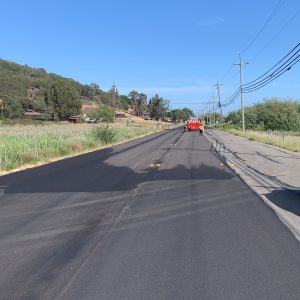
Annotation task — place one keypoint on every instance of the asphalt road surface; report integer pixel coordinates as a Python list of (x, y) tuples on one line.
[(156, 218)]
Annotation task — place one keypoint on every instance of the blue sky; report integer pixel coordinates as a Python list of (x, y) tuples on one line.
[(178, 49)]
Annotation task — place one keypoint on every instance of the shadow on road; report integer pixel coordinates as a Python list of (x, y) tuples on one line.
[(91, 173), (286, 199)]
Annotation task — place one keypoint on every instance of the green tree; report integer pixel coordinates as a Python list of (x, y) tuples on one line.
[(187, 113), (65, 101), (176, 115), (103, 114), (124, 102), (234, 118), (133, 99), (12, 108), (272, 114), (141, 104), (158, 107)]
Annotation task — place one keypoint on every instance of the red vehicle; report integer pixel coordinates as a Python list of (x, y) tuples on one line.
[(194, 125)]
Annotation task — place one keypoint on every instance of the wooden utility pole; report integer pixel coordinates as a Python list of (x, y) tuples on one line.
[(241, 91), (213, 111), (219, 98), (209, 118), (113, 99)]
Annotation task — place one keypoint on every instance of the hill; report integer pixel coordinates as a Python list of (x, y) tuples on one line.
[(23, 88)]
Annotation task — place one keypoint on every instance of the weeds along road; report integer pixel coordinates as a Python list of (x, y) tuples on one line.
[(156, 218)]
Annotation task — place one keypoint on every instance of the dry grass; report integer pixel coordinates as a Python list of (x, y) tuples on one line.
[(286, 140), (31, 144)]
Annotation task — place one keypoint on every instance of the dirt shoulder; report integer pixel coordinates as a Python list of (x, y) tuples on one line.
[(270, 171)]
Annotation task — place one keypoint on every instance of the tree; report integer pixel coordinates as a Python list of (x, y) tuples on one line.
[(124, 102), (176, 115), (187, 113), (12, 108), (102, 114), (133, 98), (272, 114), (64, 100), (234, 118), (141, 104), (158, 107)]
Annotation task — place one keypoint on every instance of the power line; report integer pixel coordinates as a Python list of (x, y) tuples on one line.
[(280, 70), (287, 62), (297, 46), (295, 61), (231, 99), (274, 12), (272, 15), (276, 35)]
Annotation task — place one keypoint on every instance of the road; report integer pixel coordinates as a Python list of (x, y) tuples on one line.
[(160, 217)]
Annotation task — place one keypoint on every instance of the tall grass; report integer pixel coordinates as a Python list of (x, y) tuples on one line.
[(287, 140), (30, 144)]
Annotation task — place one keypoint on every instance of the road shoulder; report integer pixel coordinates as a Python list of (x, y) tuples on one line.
[(271, 172)]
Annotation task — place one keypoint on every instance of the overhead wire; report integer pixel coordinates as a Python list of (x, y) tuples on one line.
[(286, 63), (273, 77), (275, 36), (272, 15)]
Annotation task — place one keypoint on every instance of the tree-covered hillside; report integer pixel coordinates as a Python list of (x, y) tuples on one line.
[(23, 88)]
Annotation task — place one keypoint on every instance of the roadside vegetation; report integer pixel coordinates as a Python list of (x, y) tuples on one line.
[(272, 114), (31, 144), (35, 104), (275, 122), (287, 140)]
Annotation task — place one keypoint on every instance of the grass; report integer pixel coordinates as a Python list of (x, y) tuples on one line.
[(286, 140), (31, 144)]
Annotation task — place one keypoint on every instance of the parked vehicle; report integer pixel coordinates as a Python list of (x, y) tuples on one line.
[(195, 125)]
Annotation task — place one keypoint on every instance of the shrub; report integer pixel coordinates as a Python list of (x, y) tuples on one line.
[(272, 114), (103, 114), (104, 133)]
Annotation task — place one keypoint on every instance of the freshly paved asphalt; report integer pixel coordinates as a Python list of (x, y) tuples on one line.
[(155, 218)]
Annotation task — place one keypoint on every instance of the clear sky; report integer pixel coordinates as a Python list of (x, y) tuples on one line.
[(176, 48)]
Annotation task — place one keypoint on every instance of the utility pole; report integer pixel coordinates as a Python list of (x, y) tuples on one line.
[(114, 95), (213, 111), (241, 91), (209, 118), (113, 99), (219, 98)]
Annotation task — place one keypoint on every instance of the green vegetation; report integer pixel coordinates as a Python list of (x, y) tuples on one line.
[(275, 122), (104, 134), (138, 101), (102, 114), (272, 114), (178, 115), (23, 88), (287, 140), (30, 144), (158, 107)]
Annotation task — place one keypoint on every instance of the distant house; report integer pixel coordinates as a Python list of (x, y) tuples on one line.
[(74, 119), (120, 115)]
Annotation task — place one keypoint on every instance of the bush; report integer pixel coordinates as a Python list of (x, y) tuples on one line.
[(272, 114), (102, 114), (104, 133)]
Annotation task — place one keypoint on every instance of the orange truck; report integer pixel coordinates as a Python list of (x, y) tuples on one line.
[(194, 125)]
